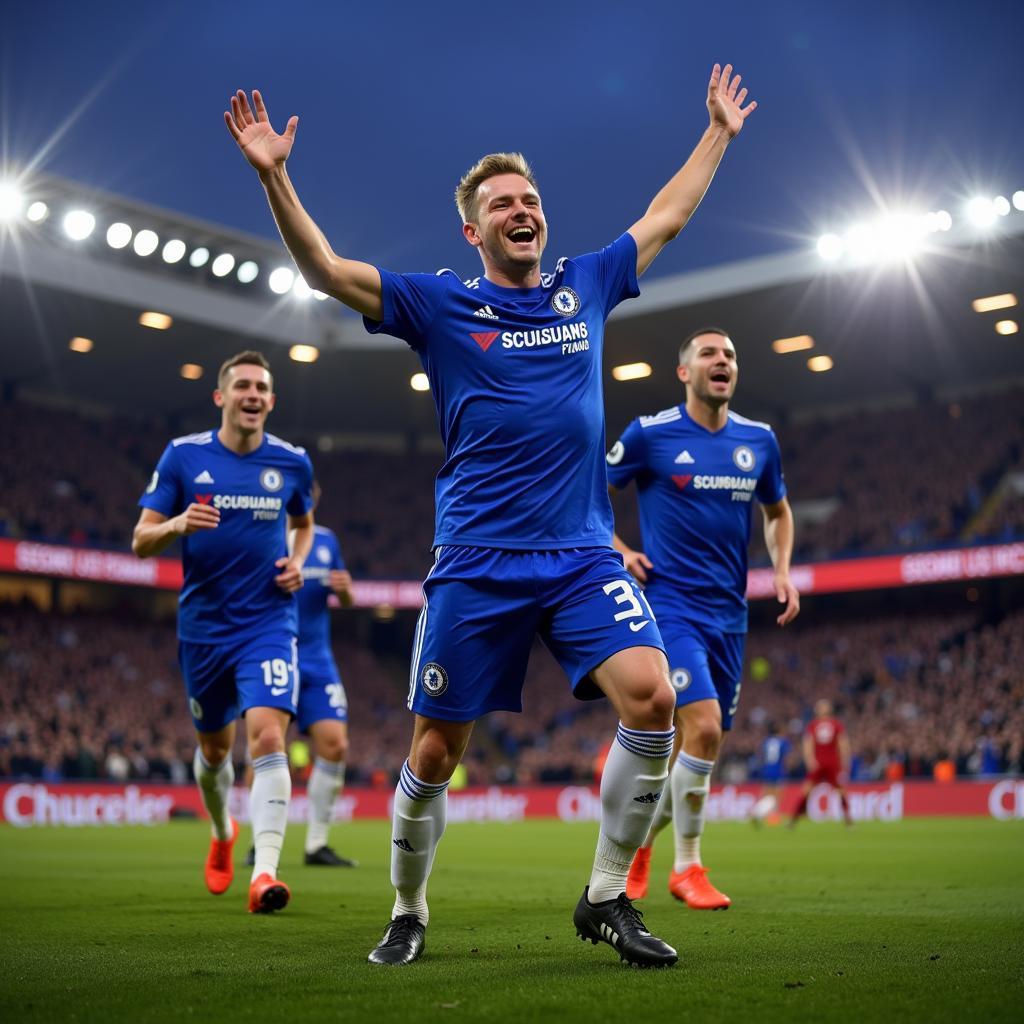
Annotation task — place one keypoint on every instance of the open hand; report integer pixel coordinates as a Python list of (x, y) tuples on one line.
[(725, 101), (257, 140)]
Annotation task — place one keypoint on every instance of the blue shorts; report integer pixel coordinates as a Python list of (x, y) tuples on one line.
[(482, 608), (225, 680), (321, 693), (704, 664)]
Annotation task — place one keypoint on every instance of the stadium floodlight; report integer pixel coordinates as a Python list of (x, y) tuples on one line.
[(158, 321), (145, 242), (319, 295), (191, 371), (819, 364), (173, 251), (78, 225), (1007, 327), (199, 258), (37, 212), (11, 200), (830, 247), (981, 212), (304, 353), (1001, 205), (990, 303), (900, 235), (300, 289), (281, 280), (419, 382), (631, 371), (248, 272), (800, 343), (861, 242), (223, 265), (1018, 201), (80, 345), (119, 235)]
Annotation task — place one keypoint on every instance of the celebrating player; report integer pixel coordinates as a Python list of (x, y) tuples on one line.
[(230, 494), (697, 467), (523, 534), (323, 709), (826, 749)]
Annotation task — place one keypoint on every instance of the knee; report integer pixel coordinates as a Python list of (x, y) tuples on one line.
[(333, 748), (433, 758), (652, 703), (266, 739), (215, 752)]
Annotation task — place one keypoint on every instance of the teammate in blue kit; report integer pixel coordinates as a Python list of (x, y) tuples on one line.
[(523, 538), (323, 707), (231, 495), (697, 468), (772, 756)]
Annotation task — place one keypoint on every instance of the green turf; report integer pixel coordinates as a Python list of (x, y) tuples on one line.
[(922, 920)]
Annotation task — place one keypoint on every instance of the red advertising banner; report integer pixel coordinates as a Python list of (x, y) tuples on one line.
[(33, 804), (813, 578)]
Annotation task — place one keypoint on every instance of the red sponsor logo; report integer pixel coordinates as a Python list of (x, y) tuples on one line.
[(204, 499), (484, 339), (681, 481)]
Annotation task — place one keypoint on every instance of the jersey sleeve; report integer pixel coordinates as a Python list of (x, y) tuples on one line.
[(627, 458), (164, 494), (613, 270), (411, 302), (300, 501), (771, 484)]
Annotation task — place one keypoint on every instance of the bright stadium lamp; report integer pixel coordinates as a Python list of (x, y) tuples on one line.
[(900, 235), (223, 265), (248, 272), (1018, 201), (78, 225), (304, 353), (200, 257), (173, 251), (281, 280), (145, 242), (1001, 205), (119, 235), (319, 295), (981, 212), (861, 242), (943, 220), (419, 382), (830, 247), (11, 201), (37, 212), (300, 289)]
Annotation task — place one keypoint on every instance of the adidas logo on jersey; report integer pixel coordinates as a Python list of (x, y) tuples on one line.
[(204, 478), (487, 313), (685, 458)]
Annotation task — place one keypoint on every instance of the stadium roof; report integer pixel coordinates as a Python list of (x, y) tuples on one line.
[(894, 329)]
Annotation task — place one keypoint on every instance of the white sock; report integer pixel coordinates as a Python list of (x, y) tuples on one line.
[(421, 811), (214, 783), (691, 782), (633, 781), (764, 807), (325, 782), (268, 809), (662, 817)]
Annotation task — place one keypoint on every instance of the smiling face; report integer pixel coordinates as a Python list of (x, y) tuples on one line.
[(509, 230), (245, 397), (709, 369)]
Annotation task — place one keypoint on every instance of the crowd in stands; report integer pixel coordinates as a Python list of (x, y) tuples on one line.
[(98, 695), (899, 479)]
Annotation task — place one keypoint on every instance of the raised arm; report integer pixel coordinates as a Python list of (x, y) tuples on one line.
[(350, 281), (673, 206)]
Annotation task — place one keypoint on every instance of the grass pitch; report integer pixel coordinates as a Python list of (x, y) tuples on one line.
[(921, 920)]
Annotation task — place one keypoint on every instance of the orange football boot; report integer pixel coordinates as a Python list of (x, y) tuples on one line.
[(693, 888), (220, 869), (268, 894), (639, 873)]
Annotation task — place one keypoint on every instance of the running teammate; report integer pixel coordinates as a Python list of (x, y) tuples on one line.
[(523, 534), (323, 707), (697, 468), (230, 494), (826, 749), (771, 770)]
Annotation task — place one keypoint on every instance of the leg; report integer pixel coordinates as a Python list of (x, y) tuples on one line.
[(801, 807), (330, 749), (271, 787), (214, 774)]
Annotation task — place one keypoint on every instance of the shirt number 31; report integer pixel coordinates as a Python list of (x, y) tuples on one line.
[(625, 594)]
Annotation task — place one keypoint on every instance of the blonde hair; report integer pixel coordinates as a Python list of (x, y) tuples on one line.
[(484, 168)]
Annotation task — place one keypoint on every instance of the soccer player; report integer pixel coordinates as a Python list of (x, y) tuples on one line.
[(775, 749), (697, 468), (826, 749), (323, 707), (523, 534), (230, 495)]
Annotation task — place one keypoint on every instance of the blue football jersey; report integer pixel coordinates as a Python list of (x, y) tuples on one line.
[(774, 751), (695, 490), (314, 614), (516, 378), (229, 592)]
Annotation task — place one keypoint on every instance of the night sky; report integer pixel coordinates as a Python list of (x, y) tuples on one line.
[(860, 103)]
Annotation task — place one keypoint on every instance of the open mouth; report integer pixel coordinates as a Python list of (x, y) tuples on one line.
[(522, 234), (720, 377)]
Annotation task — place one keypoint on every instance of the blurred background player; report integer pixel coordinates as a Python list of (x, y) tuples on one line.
[(773, 753), (231, 495), (826, 749), (697, 468), (523, 428)]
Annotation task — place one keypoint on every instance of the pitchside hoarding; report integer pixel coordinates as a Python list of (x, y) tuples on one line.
[(34, 804)]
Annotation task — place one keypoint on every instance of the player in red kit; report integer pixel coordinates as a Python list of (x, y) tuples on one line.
[(827, 756)]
